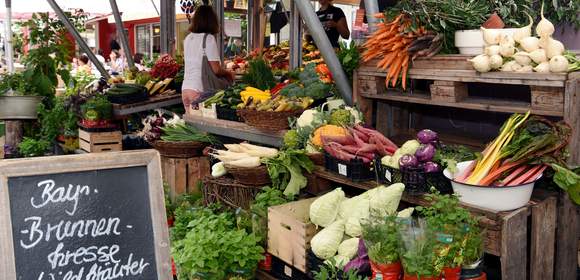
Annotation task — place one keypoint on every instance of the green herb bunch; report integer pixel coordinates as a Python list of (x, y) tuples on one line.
[(259, 75), (382, 239), (329, 271), (214, 248), (267, 197), (349, 57), (418, 258), (186, 132), (285, 170), (30, 147)]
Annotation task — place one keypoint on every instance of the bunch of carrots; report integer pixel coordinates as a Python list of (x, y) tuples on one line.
[(520, 154), (395, 43)]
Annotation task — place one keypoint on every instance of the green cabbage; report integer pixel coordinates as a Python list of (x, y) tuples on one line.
[(325, 243), (385, 200), (324, 210), (348, 248)]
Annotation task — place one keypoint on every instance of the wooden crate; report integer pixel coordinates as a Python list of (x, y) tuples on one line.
[(184, 174), (290, 232), (96, 142)]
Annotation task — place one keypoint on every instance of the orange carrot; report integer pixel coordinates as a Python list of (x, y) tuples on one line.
[(404, 75)]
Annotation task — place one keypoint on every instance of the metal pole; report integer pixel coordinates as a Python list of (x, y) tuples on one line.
[(295, 37), (167, 26), (8, 52), (218, 7), (82, 44), (251, 25), (371, 8), (317, 32), (121, 33), (155, 6)]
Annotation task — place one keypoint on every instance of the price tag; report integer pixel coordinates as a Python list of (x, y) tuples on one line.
[(342, 169), (388, 175), (288, 271)]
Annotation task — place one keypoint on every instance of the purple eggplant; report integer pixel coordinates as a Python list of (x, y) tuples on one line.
[(427, 136), (425, 153)]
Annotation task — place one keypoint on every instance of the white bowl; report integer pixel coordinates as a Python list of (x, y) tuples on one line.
[(470, 42), (490, 198)]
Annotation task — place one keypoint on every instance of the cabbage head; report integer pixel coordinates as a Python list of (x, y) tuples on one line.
[(352, 227), (406, 213), (356, 207), (385, 200), (325, 243), (324, 210), (348, 248)]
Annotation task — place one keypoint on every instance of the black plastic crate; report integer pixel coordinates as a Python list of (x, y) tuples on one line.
[(416, 181), (284, 271), (128, 98), (356, 169), (229, 114)]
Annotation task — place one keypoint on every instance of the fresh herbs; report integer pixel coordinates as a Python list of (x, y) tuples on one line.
[(349, 57), (259, 75), (267, 197), (213, 248), (329, 271), (30, 147), (286, 171), (381, 237), (449, 155), (185, 132)]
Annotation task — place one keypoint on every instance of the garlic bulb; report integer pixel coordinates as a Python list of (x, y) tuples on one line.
[(507, 50), (525, 31), (495, 61), (492, 50), (481, 63), (543, 67), (544, 28), (530, 44), (491, 36), (538, 56), (525, 69), (554, 48), (506, 40), (558, 64), (522, 58), (510, 66)]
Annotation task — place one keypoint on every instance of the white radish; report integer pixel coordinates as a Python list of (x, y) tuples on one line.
[(495, 61), (559, 64), (491, 36), (481, 63), (235, 148), (525, 69), (539, 56), (510, 66), (522, 58), (525, 31), (259, 150), (492, 50), (543, 67), (530, 44), (506, 40), (554, 48), (248, 162), (544, 28), (507, 50)]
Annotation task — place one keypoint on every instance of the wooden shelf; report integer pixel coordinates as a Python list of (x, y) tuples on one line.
[(152, 103), (237, 130), (470, 103)]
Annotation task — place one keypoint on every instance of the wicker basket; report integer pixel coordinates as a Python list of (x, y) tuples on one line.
[(255, 176), (266, 120), (228, 192), (185, 149)]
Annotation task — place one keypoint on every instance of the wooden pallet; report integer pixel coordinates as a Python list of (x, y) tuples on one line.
[(184, 174), (524, 238), (96, 142)]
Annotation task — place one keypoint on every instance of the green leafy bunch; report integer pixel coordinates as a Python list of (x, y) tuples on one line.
[(457, 231), (57, 120), (419, 258), (266, 198), (213, 248), (15, 82), (349, 57), (259, 74), (382, 239), (285, 170), (568, 180), (30, 147)]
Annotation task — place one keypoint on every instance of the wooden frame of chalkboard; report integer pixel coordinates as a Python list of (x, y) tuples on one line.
[(148, 160)]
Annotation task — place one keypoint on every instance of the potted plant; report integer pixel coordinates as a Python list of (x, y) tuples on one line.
[(18, 100), (453, 226), (419, 254), (472, 251), (381, 238)]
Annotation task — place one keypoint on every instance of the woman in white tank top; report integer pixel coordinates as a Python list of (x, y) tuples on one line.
[(204, 21)]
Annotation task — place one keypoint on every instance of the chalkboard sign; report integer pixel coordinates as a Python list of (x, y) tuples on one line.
[(93, 216)]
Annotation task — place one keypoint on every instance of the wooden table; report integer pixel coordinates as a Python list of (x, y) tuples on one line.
[(154, 102), (506, 233)]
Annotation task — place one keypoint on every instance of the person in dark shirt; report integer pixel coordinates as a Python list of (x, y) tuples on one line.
[(114, 45), (333, 21)]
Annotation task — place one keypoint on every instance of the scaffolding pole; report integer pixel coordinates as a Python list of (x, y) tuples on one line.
[(121, 33)]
